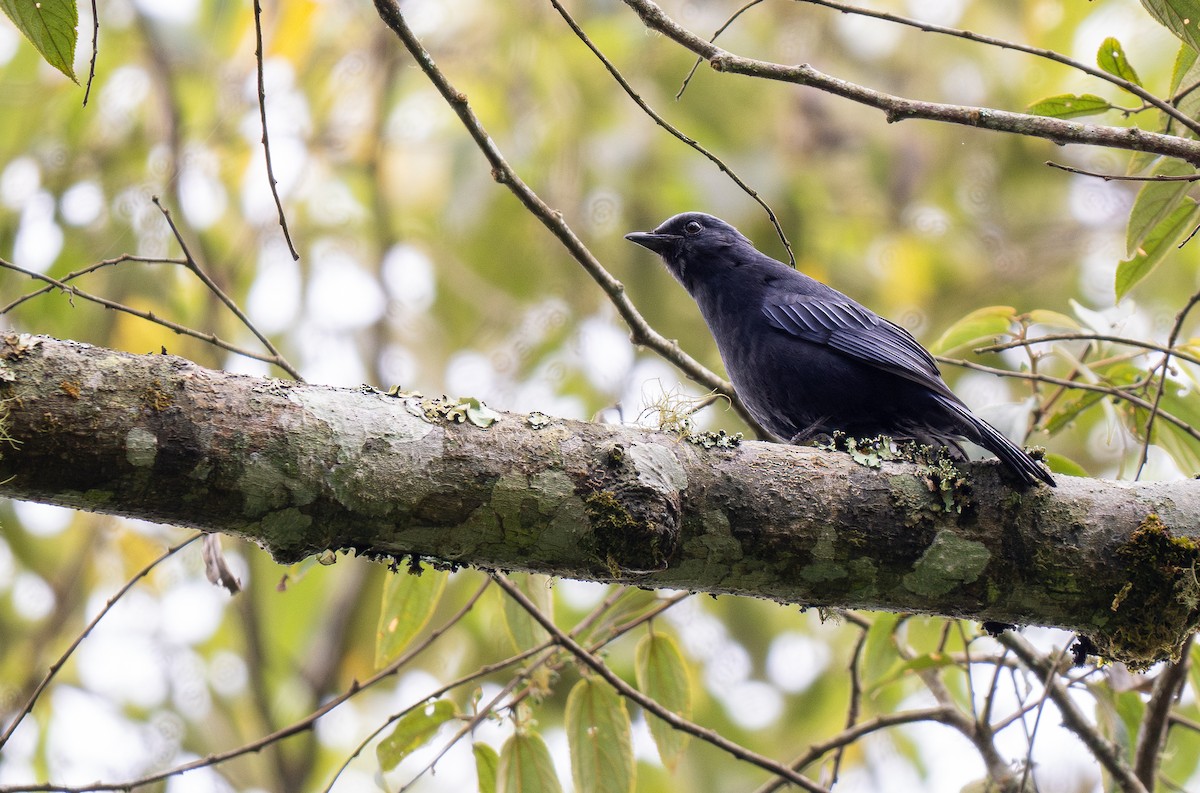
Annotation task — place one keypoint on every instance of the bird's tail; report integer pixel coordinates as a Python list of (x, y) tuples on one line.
[(1014, 457)]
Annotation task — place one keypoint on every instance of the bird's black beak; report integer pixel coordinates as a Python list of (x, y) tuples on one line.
[(659, 243)]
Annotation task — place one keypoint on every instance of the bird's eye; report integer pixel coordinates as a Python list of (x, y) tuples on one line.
[(692, 227)]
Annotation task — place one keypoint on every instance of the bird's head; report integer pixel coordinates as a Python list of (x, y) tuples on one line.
[(690, 241)]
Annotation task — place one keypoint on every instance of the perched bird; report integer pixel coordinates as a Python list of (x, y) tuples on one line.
[(807, 360)]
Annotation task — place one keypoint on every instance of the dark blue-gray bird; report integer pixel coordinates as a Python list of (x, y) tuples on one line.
[(807, 360)]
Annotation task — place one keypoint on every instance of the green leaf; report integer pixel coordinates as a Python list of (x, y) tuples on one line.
[(523, 630), (1064, 465), (486, 761), (1185, 59), (1178, 16), (1070, 409), (1156, 201), (525, 766), (408, 604), (1156, 246), (52, 27), (412, 731), (1053, 319), (981, 326), (918, 664), (1111, 58), (1177, 442), (600, 738), (1069, 106), (879, 653), (662, 674)]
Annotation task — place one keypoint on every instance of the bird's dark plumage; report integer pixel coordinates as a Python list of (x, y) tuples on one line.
[(806, 359)]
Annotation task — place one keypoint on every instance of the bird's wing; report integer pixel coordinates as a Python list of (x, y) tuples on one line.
[(853, 330)]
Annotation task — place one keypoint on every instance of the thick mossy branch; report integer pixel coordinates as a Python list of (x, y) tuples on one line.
[(303, 469), (1161, 571)]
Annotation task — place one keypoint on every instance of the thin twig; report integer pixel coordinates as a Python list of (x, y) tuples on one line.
[(1152, 732), (266, 142), (855, 704), (108, 605), (724, 26), (641, 332), (295, 728), (939, 714), (546, 648), (1106, 753), (1112, 391), (1176, 328), (149, 316), (898, 108), (662, 122), (87, 91), (91, 268), (1057, 57), (1112, 177), (1183, 721), (548, 659), (1145, 345), (647, 703), (193, 265)]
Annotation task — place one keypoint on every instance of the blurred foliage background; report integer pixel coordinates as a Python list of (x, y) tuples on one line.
[(417, 269)]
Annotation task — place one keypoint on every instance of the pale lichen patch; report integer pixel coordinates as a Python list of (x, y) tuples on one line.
[(948, 562), (657, 467), (141, 447)]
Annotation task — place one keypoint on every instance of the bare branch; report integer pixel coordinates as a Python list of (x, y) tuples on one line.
[(1125, 85), (1176, 328), (193, 265), (648, 704), (1145, 345), (1152, 733), (87, 92), (266, 140), (662, 122), (1112, 391), (149, 316), (1106, 753), (1112, 177), (898, 108), (62, 659), (91, 268), (640, 331)]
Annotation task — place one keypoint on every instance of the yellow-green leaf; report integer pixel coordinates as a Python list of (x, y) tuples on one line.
[(600, 738), (51, 26), (1178, 16), (522, 629), (879, 653), (1069, 106), (1053, 319), (981, 326), (918, 664), (1157, 245), (1156, 201), (486, 762), (1185, 59), (412, 731), (1111, 58), (1064, 465), (408, 603), (663, 675), (525, 766)]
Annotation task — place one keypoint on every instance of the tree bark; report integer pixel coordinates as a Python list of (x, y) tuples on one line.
[(301, 469)]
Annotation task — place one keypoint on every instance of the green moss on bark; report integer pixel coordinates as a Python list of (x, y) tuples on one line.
[(1162, 580)]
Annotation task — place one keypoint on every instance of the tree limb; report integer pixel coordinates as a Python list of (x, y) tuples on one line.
[(898, 108), (301, 468)]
